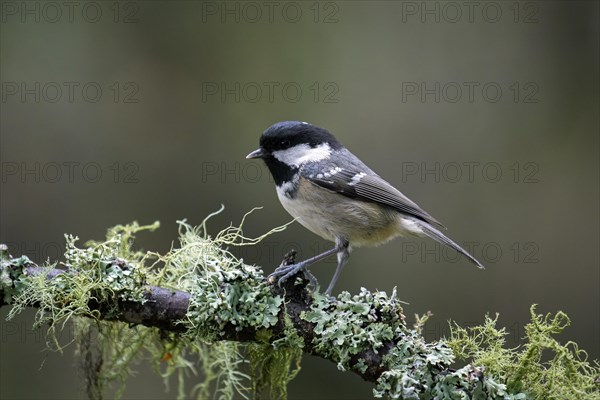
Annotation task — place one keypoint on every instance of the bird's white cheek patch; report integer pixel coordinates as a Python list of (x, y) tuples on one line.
[(303, 153)]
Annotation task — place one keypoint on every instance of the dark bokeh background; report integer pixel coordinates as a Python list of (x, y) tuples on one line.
[(179, 109)]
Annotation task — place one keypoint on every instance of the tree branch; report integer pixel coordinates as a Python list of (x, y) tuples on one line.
[(166, 309), (364, 333)]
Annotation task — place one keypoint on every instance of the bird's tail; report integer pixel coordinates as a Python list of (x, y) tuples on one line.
[(440, 237)]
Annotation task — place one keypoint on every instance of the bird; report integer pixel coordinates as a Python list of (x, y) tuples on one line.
[(332, 193)]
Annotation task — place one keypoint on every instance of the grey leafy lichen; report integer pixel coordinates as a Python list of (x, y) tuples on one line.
[(349, 325), (12, 277), (239, 297), (411, 368), (419, 370)]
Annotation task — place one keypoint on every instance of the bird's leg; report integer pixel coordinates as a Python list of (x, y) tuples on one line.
[(282, 273), (342, 256)]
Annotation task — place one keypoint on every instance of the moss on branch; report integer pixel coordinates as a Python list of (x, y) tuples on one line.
[(199, 302)]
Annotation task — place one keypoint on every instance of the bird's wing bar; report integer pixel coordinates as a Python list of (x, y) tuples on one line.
[(370, 187)]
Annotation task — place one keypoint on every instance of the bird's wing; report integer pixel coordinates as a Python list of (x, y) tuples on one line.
[(369, 187)]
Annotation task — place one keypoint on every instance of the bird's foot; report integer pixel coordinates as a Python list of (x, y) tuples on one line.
[(284, 272)]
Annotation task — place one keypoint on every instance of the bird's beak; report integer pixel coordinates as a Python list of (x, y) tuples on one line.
[(258, 153)]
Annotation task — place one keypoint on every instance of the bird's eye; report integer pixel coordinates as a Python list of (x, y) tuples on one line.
[(285, 143)]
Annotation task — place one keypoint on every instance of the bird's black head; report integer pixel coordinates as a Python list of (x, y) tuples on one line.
[(286, 146), (287, 134)]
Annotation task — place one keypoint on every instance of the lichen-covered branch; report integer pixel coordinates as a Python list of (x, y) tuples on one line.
[(199, 298), (161, 308), (167, 309)]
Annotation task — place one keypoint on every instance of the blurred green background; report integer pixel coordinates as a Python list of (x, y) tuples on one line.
[(485, 114)]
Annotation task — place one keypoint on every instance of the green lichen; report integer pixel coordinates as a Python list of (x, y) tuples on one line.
[(419, 370), (565, 375), (271, 362), (108, 352), (97, 274), (275, 362)]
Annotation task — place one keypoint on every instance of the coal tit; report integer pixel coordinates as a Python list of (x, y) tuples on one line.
[(335, 195)]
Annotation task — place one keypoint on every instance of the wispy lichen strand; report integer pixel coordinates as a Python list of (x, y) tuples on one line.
[(566, 375)]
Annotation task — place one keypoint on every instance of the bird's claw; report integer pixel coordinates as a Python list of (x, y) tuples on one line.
[(284, 272), (312, 280)]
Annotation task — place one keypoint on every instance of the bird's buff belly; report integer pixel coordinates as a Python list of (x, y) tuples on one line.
[(332, 216)]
